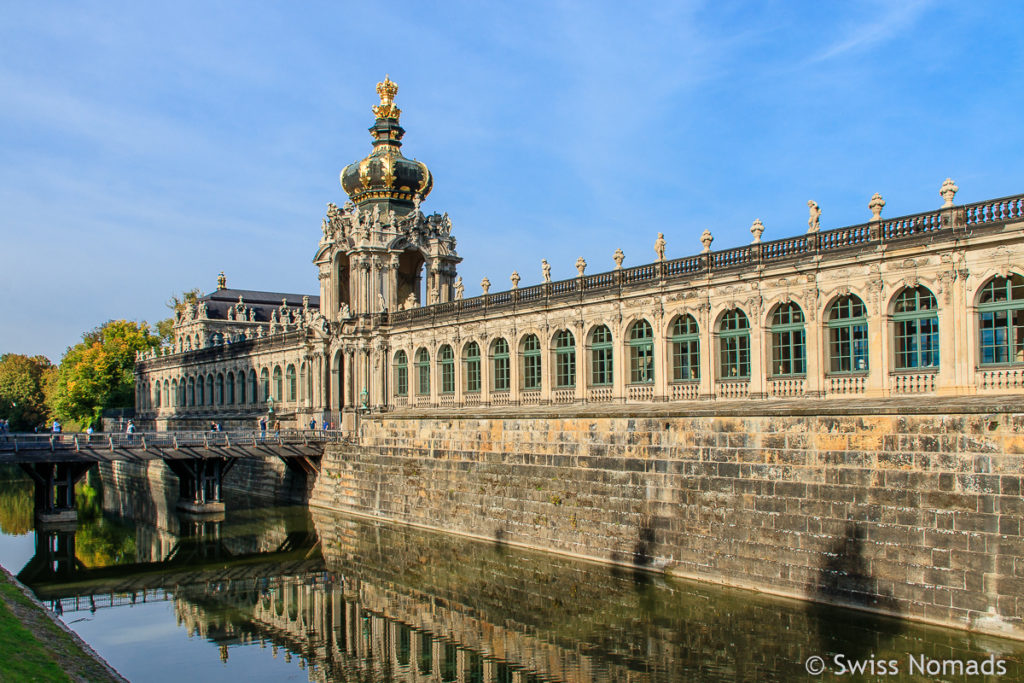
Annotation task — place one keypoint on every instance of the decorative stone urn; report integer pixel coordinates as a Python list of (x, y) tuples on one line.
[(876, 205), (947, 192), (618, 257), (706, 239), (757, 229), (581, 265)]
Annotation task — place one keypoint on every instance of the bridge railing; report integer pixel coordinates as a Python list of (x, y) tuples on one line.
[(189, 439)]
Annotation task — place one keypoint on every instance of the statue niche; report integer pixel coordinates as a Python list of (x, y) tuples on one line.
[(342, 279), (410, 276)]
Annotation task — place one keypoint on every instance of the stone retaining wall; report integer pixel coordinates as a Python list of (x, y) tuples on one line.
[(914, 515)]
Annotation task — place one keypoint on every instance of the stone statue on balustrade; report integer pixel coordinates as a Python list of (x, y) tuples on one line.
[(459, 288), (814, 220), (546, 269), (659, 246)]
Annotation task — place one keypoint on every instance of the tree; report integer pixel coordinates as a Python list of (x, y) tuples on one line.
[(165, 328), (23, 381), (99, 372)]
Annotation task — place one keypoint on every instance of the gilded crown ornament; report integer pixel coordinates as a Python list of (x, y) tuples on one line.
[(387, 91)]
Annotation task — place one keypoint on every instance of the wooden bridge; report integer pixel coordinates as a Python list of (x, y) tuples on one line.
[(200, 459)]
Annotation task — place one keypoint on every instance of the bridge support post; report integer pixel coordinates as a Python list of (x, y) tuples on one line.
[(55, 490), (200, 483)]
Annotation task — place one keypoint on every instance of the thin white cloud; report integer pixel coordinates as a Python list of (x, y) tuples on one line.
[(889, 20)]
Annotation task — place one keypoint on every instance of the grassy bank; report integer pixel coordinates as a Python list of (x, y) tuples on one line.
[(37, 649)]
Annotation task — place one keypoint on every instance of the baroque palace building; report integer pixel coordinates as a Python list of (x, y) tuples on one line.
[(930, 304)]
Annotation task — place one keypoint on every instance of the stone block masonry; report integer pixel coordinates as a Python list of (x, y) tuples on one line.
[(910, 510)]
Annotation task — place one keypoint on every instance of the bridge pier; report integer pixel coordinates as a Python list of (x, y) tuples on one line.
[(200, 483), (55, 490)]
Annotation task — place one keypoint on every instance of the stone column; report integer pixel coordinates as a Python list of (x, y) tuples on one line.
[(581, 361), (813, 336), (485, 371), (969, 335), (393, 303), (620, 363), (759, 368), (459, 388), (661, 358), (547, 367), (708, 351), (435, 374), (347, 379), (878, 345), (515, 369)]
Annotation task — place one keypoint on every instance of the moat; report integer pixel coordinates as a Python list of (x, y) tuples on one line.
[(277, 593)]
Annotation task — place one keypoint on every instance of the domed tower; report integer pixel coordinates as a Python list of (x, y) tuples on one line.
[(379, 252)]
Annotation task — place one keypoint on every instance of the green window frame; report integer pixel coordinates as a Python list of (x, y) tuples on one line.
[(265, 383), (293, 390), (446, 358), (1001, 321), (685, 343), (734, 345), (422, 372), (278, 384), (471, 367), (789, 341), (241, 387), (401, 374), (192, 391), (601, 357), (916, 329), (847, 336), (253, 387), (501, 376), (565, 360), (209, 389), (230, 385), (531, 363), (641, 353)]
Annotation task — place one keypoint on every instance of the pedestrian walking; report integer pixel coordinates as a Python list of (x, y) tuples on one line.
[(56, 427), (312, 424), (263, 429)]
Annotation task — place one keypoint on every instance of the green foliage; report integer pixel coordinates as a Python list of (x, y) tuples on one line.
[(165, 328), (23, 384), (16, 503), (99, 372)]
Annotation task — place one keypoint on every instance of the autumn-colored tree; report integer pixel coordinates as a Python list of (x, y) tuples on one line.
[(23, 382), (99, 372), (165, 328)]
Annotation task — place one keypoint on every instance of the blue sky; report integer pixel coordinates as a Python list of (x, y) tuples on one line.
[(144, 147)]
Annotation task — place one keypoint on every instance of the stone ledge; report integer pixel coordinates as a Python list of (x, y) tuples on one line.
[(802, 407)]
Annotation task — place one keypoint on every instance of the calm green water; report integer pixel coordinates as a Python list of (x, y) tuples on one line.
[(285, 594)]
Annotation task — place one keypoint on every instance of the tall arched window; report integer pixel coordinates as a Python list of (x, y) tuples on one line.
[(231, 388), (1001, 321), (641, 353), (916, 329), (565, 360), (789, 346), (847, 335), (601, 356), (201, 391), (241, 387), (166, 398), (192, 391), (209, 389), (174, 391), (401, 374), (293, 392), (254, 394), (734, 345), (422, 372), (471, 367), (220, 389), (500, 371), (303, 380), (446, 357), (531, 363), (156, 394), (264, 385), (685, 349), (278, 384)]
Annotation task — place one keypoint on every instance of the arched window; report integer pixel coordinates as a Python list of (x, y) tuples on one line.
[(847, 335), (565, 360), (174, 391), (231, 388), (789, 346), (500, 370), (220, 389), (156, 394), (916, 329), (401, 374), (201, 391), (422, 372), (241, 387), (734, 345), (685, 349), (192, 391), (1001, 321), (293, 391), (303, 380), (254, 393), (278, 393), (641, 353), (264, 385), (209, 389), (446, 357), (166, 398), (471, 367), (601, 356), (531, 363)]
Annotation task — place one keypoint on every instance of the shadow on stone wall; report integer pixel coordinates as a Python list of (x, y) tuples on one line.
[(845, 578)]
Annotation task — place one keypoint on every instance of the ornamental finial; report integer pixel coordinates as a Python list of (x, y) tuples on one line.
[(387, 91), (222, 281)]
